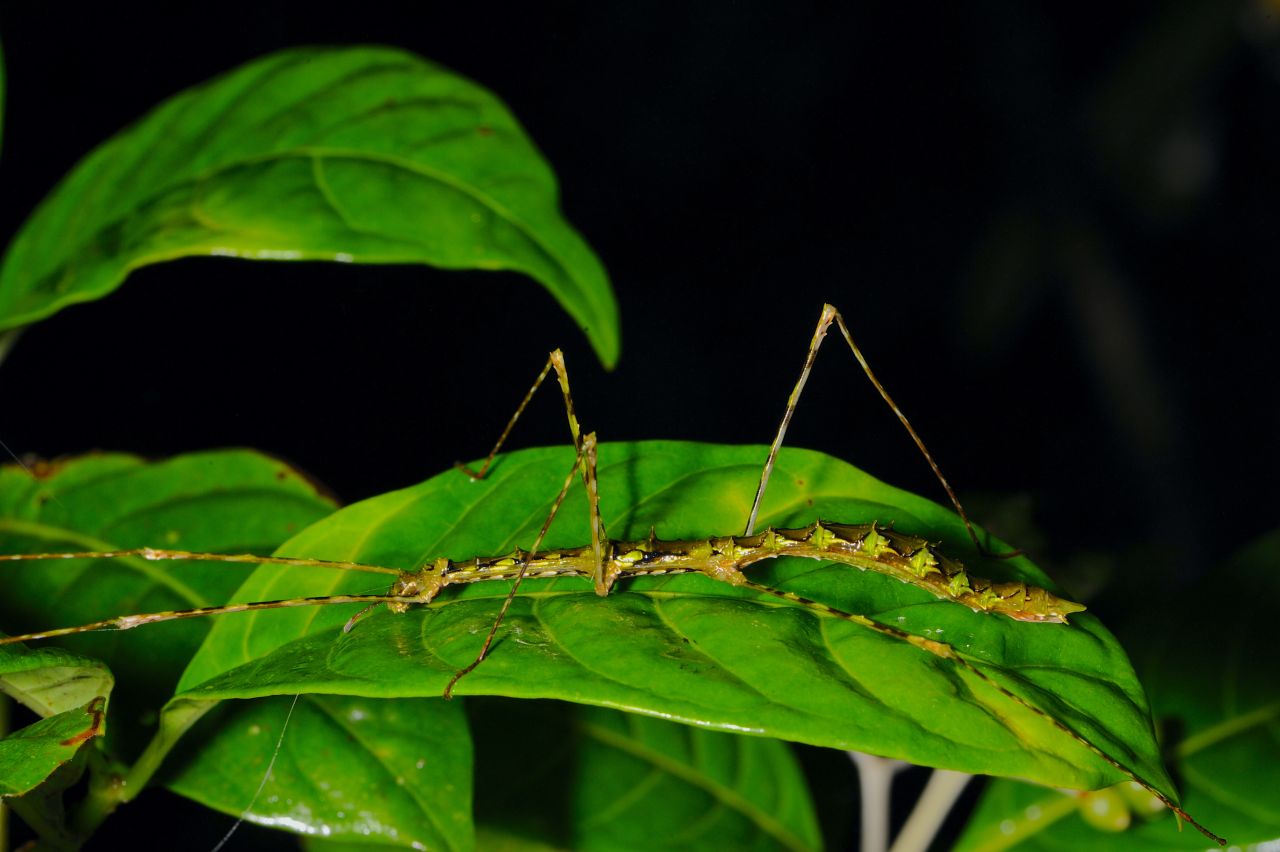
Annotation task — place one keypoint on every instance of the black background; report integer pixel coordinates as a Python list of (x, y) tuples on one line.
[(1053, 231)]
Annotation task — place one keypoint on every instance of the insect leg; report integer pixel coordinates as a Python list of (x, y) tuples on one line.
[(830, 315), (584, 455), (554, 361), (515, 585), (915, 436), (824, 322)]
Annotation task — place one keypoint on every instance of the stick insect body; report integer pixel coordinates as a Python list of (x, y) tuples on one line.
[(871, 546)]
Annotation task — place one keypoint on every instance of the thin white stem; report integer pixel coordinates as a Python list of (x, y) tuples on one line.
[(875, 782), (935, 802)]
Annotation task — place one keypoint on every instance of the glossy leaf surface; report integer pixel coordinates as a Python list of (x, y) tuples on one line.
[(1217, 699), (356, 154), (397, 771), (688, 648)]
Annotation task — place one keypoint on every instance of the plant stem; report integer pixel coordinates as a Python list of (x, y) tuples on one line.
[(875, 780), (111, 785), (935, 802)]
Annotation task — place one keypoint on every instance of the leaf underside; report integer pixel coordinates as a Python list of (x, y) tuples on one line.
[(354, 154)]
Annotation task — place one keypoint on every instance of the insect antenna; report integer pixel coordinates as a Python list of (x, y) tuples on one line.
[(128, 622)]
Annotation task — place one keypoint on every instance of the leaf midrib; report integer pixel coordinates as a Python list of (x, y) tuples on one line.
[(314, 152), (724, 795)]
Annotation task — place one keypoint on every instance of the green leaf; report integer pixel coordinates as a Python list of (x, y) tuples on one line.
[(1216, 693), (388, 769), (642, 778), (347, 767), (360, 154), (69, 693), (689, 648), (49, 681), (31, 755), (634, 778), (231, 500)]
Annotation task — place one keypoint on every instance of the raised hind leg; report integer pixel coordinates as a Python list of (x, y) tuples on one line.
[(830, 315)]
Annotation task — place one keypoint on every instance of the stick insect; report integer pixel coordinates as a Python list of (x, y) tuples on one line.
[(868, 546)]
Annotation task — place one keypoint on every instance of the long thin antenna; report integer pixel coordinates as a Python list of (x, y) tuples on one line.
[(244, 814)]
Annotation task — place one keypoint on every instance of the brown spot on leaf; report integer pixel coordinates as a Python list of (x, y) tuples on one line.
[(42, 469), (96, 709)]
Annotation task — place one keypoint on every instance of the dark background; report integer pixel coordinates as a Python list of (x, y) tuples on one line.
[(1052, 230)]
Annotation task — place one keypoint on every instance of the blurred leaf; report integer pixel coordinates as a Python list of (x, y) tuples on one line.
[(1216, 693), (640, 778), (610, 780), (358, 154), (492, 839), (233, 500)]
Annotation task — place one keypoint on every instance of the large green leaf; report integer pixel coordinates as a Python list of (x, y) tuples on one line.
[(1217, 694), (689, 648), (610, 780), (361, 154), (231, 500), (384, 770), (643, 778), (361, 768)]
